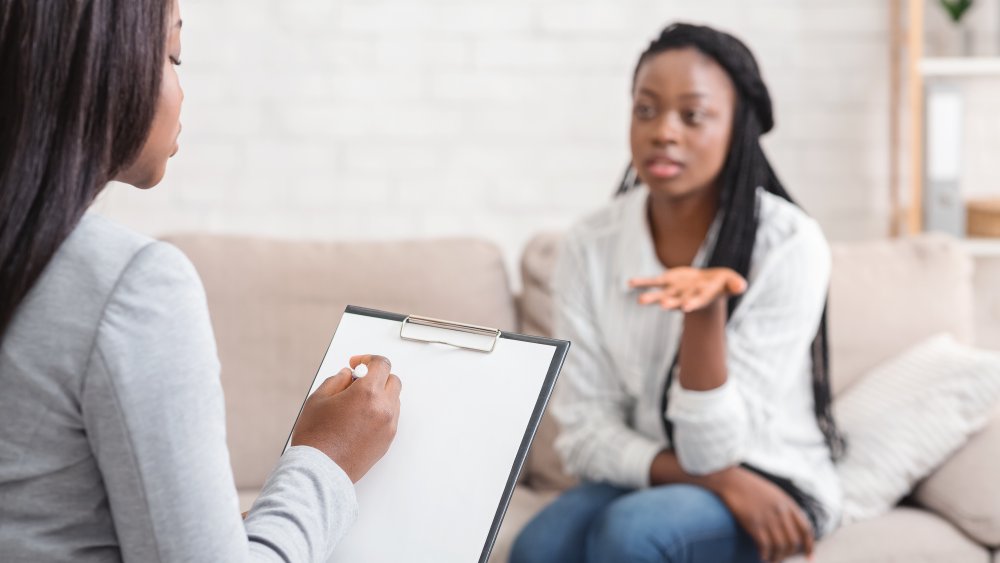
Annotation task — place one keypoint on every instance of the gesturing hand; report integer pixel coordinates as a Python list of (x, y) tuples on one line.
[(690, 289), (777, 525)]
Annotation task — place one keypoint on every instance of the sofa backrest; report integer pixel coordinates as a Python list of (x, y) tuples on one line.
[(885, 296), (275, 305), (986, 298), (888, 295)]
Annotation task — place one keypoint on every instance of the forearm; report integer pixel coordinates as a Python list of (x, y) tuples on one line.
[(595, 445), (666, 469), (703, 348)]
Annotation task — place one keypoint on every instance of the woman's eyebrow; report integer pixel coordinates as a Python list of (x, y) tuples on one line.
[(649, 93), (694, 95)]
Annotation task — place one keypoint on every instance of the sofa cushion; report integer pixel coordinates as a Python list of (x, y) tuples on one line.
[(275, 305), (987, 300), (543, 468), (887, 295), (966, 490), (908, 416), (247, 498), (905, 534), (537, 265)]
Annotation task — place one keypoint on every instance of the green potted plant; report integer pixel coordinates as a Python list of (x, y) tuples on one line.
[(956, 10)]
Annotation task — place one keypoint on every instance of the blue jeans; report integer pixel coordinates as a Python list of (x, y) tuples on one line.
[(599, 523)]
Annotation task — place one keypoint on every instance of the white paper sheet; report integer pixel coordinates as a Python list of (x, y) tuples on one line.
[(463, 415)]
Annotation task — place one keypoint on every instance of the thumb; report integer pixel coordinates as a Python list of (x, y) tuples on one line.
[(736, 285), (335, 384)]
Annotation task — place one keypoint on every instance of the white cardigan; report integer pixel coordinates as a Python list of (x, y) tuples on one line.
[(609, 397)]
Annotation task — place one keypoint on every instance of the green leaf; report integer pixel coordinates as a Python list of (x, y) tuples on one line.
[(956, 8)]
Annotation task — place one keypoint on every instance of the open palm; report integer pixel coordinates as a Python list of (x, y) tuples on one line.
[(689, 289)]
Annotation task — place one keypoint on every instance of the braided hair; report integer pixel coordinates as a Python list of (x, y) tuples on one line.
[(746, 168)]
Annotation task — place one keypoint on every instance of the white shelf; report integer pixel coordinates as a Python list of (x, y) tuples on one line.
[(960, 66), (982, 246)]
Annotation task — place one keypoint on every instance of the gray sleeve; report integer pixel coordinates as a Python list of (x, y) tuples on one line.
[(154, 414)]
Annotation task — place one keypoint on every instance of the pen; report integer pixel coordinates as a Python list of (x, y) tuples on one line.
[(359, 372)]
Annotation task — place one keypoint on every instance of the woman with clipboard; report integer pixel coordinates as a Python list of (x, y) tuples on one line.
[(112, 424), (695, 405)]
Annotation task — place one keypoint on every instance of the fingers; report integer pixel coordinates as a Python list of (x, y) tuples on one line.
[(671, 276), (378, 367), (666, 298), (651, 297), (685, 299), (791, 537), (808, 541), (736, 284), (778, 542), (676, 299), (657, 281), (393, 385), (335, 384), (695, 299), (672, 298), (762, 538), (791, 533)]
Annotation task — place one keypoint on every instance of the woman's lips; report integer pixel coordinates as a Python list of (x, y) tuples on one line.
[(663, 168)]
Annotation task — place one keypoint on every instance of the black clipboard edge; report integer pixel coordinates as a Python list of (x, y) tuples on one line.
[(558, 358)]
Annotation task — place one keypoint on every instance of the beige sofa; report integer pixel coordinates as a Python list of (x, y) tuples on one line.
[(275, 304)]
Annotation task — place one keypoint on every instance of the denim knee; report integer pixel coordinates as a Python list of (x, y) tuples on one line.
[(643, 528), (531, 546), (622, 533)]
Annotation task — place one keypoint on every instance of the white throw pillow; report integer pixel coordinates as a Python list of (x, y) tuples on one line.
[(907, 416)]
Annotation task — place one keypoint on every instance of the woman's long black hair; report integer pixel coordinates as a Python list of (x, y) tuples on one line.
[(746, 168), (79, 86)]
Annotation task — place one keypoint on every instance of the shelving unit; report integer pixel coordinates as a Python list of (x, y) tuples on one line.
[(982, 246), (955, 67), (910, 73)]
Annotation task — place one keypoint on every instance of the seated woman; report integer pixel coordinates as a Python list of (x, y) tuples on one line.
[(695, 404), (112, 422)]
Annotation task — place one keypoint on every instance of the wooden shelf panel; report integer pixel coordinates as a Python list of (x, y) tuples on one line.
[(959, 66), (982, 246)]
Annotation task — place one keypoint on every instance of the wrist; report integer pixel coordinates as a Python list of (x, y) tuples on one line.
[(722, 482), (712, 311)]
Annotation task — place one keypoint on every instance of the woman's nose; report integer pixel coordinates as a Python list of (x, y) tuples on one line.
[(668, 129)]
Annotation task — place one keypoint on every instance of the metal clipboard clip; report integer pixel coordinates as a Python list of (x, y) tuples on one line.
[(437, 331)]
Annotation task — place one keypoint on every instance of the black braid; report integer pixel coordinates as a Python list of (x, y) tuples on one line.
[(746, 169)]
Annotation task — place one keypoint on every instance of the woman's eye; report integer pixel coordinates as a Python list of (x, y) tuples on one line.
[(693, 117), (643, 111), (176, 61)]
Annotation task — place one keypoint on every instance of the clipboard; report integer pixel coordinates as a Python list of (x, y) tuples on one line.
[(472, 400)]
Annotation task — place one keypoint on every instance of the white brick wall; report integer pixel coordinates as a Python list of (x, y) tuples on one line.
[(497, 118)]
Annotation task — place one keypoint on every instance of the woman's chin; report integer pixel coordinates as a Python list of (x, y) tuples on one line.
[(674, 188), (152, 179)]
